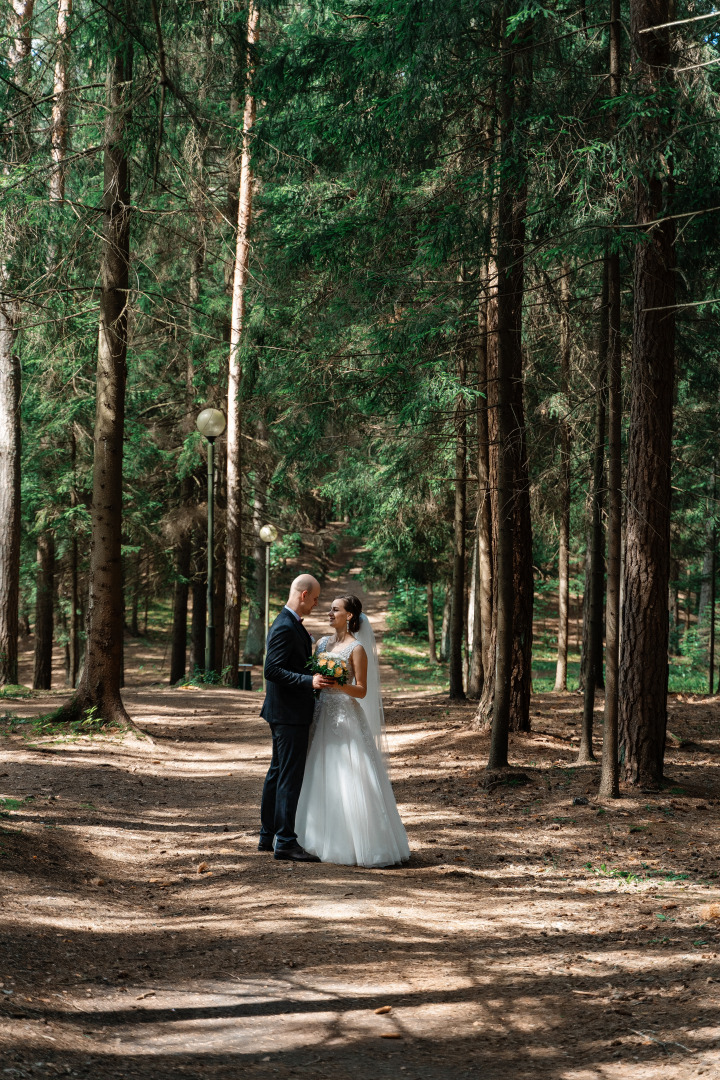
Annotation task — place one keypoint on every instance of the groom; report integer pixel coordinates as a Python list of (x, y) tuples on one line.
[(288, 709)]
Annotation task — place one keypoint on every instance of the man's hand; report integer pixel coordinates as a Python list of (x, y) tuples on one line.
[(321, 682)]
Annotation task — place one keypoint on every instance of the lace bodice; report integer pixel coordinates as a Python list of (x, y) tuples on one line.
[(345, 653)]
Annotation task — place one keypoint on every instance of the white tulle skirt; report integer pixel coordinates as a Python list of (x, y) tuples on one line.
[(347, 812)]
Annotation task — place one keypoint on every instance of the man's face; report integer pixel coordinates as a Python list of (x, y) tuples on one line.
[(308, 600)]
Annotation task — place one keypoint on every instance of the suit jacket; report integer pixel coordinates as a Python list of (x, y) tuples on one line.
[(289, 697)]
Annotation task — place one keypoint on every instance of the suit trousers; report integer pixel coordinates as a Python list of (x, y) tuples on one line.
[(283, 783)]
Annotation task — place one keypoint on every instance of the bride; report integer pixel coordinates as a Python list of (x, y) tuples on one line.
[(347, 812)]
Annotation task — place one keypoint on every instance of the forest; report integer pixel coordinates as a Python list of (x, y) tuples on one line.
[(479, 239), (447, 271)]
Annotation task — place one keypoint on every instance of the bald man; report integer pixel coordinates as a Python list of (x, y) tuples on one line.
[(288, 708)]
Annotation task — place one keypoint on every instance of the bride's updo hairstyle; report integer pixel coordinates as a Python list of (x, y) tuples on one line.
[(353, 606)]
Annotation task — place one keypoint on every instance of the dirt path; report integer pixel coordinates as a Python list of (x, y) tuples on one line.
[(528, 937)]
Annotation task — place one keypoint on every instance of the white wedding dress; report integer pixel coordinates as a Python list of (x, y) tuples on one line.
[(347, 812)]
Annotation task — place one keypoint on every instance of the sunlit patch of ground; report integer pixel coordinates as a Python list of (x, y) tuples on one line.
[(535, 933)]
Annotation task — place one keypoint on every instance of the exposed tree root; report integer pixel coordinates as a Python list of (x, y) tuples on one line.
[(104, 711)]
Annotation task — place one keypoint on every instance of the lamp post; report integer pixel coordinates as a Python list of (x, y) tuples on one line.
[(268, 535), (211, 424)]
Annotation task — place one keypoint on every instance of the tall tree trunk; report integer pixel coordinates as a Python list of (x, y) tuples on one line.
[(184, 549), (564, 537), (609, 773), (183, 558), (594, 601), (136, 590), (481, 658), (432, 647), (585, 606), (103, 669), (457, 610), (255, 640), (485, 709), (44, 605), (445, 626), (474, 642), (713, 582), (9, 495), (513, 619), (74, 620), (18, 61), (593, 651), (58, 150), (708, 556), (233, 550), (644, 661), (505, 369), (473, 618), (59, 121), (706, 574), (73, 647), (181, 590)]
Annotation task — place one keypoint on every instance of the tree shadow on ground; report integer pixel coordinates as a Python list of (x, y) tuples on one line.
[(515, 943)]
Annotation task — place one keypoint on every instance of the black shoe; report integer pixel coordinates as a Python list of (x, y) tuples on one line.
[(295, 854), (265, 845)]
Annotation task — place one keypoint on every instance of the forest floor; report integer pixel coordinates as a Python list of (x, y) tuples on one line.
[(535, 932)]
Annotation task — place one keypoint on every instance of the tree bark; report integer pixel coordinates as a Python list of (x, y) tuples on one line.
[(472, 622), (101, 679), (59, 120), (73, 666), (178, 652), (445, 627), (457, 610), (706, 575), (233, 549), (708, 556), (609, 773), (644, 661), (481, 657), (713, 582), (255, 640), (183, 558), (514, 592), (564, 533), (432, 646), (58, 152), (18, 60), (59, 129), (505, 371), (9, 494), (594, 605), (44, 605), (73, 645), (136, 589)]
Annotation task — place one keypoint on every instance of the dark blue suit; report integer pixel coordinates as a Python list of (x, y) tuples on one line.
[(288, 708)]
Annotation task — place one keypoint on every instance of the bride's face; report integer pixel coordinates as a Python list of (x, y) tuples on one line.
[(338, 616)]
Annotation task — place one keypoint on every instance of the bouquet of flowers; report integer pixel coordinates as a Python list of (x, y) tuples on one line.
[(332, 667)]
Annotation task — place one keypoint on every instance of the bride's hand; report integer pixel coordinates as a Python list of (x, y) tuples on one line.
[(321, 682)]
